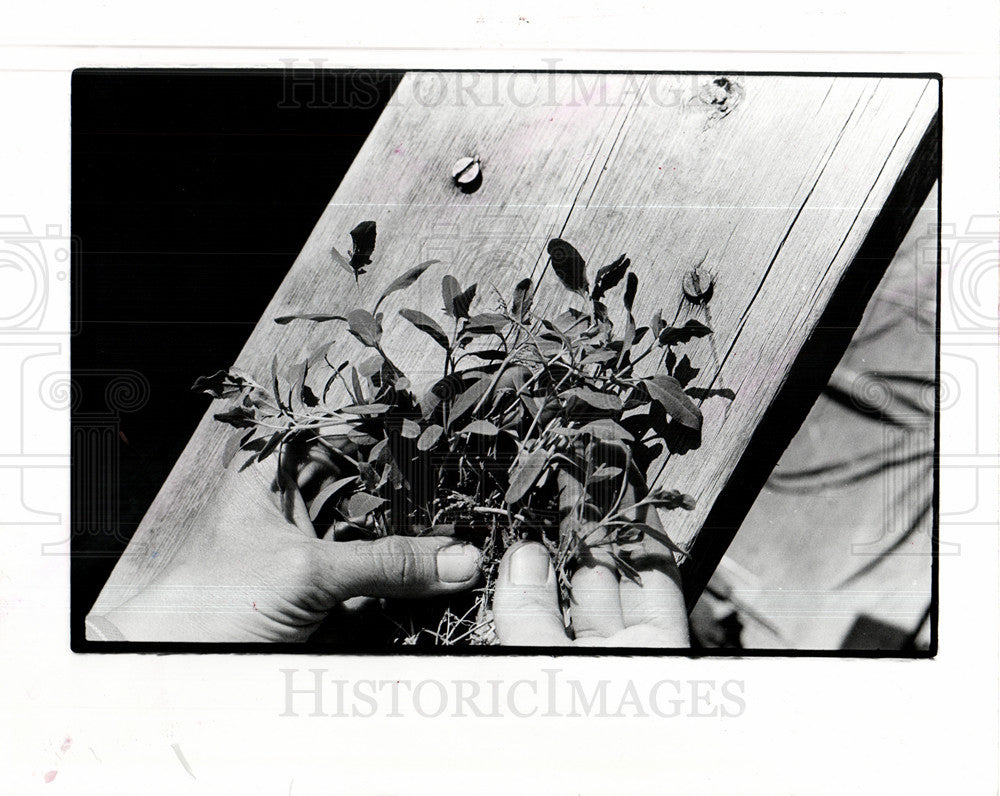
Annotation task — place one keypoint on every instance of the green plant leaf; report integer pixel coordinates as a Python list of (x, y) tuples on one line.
[(468, 399), (271, 445), (659, 536), (363, 246), (598, 400), (341, 261), (631, 286), (572, 319), (367, 409), (628, 535), (406, 280), (359, 393), (601, 314), (378, 453), (604, 472), (364, 327), (626, 568), (429, 402), (363, 237), (392, 472), (359, 437), (463, 301), (608, 430), (486, 322), (371, 366), (521, 304), (427, 325), (482, 427), (556, 335), (449, 290), (667, 391), (410, 429), (670, 499), (525, 473), (318, 354), (490, 354), (430, 437), (568, 265), (327, 492), (657, 324), (531, 403), (297, 378), (221, 384), (367, 473), (336, 373), (361, 504)]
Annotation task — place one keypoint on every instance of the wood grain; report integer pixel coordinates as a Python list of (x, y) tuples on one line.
[(777, 196)]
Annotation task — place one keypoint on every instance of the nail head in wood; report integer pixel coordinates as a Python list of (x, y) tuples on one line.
[(698, 285), (467, 174)]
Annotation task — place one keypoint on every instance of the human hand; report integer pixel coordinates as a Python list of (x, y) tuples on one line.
[(253, 569), (607, 609)]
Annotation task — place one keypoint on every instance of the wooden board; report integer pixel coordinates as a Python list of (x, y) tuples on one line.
[(780, 195)]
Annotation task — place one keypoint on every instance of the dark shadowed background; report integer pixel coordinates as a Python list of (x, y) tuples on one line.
[(192, 193)]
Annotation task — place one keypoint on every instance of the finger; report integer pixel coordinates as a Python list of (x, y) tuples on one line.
[(526, 600), (658, 603), (595, 604), (646, 636), (396, 566)]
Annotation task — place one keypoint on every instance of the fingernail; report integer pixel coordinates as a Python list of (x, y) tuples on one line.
[(529, 566), (457, 563)]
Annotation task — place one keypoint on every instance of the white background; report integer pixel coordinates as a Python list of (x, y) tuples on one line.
[(108, 724)]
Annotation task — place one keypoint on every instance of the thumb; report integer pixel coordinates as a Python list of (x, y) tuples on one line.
[(397, 566)]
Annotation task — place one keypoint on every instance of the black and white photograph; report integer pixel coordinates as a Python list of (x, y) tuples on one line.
[(387, 361), (453, 398)]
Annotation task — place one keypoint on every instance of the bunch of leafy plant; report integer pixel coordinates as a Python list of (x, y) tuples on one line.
[(538, 428)]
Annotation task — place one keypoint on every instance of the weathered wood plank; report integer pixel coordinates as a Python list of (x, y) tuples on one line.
[(778, 195)]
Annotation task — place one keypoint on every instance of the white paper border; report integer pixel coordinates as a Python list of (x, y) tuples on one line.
[(211, 724)]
